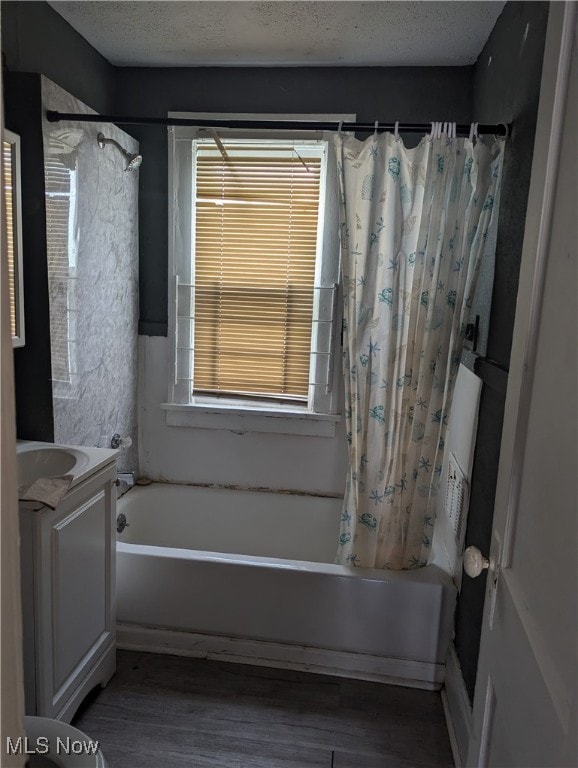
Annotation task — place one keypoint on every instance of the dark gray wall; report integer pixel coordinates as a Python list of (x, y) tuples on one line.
[(411, 94), (37, 39), (506, 89)]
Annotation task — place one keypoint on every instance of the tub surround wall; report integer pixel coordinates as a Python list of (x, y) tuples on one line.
[(92, 279), (225, 457)]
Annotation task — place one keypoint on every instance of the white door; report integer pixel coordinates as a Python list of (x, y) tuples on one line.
[(525, 701)]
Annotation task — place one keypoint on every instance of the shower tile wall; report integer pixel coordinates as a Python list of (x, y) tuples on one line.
[(92, 242)]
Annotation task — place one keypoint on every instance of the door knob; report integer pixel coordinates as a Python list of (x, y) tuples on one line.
[(475, 562)]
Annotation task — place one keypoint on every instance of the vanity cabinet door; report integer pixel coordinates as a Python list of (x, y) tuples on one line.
[(75, 594)]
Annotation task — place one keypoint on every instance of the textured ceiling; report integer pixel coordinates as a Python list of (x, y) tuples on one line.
[(283, 32)]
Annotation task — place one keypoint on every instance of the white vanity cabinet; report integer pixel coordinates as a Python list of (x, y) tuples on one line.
[(68, 560)]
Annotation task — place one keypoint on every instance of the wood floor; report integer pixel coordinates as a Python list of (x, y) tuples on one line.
[(171, 712)]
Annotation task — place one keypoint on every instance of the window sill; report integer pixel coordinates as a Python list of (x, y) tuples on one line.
[(240, 420)]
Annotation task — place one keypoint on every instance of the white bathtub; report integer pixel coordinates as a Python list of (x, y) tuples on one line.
[(249, 576)]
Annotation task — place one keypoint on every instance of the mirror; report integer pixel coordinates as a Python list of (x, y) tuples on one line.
[(11, 213)]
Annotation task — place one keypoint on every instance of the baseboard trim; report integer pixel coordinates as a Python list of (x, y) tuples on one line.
[(457, 709), (412, 674)]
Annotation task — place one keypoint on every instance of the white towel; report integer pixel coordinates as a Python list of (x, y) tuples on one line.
[(49, 491)]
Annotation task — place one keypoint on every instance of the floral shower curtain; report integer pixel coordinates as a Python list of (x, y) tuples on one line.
[(414, 226)]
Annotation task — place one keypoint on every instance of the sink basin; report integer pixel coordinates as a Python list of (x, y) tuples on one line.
[(47, 461), (36, 460)]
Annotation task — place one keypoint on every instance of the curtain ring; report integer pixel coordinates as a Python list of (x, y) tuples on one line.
[(454, 131), (472, 127), (476, 134), (376, 127), (339, 127), (396, 130), (431, 135)]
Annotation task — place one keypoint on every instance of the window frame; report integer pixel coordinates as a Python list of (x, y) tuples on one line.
[(319, 415)]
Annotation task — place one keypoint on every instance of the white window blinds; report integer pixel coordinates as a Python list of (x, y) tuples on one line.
[(255, 243), (8, 183), (61, 252), (11, 215)]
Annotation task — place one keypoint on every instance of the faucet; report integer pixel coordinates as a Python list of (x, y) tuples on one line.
[(125, 478)]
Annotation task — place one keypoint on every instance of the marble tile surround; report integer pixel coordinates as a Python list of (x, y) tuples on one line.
[(92, 242)]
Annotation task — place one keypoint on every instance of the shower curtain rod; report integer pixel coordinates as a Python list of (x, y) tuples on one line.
[(286, 125)]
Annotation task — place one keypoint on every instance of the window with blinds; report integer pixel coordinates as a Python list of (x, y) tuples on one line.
[(60, 200), (255, 246), (12, 224), (8, 184)]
